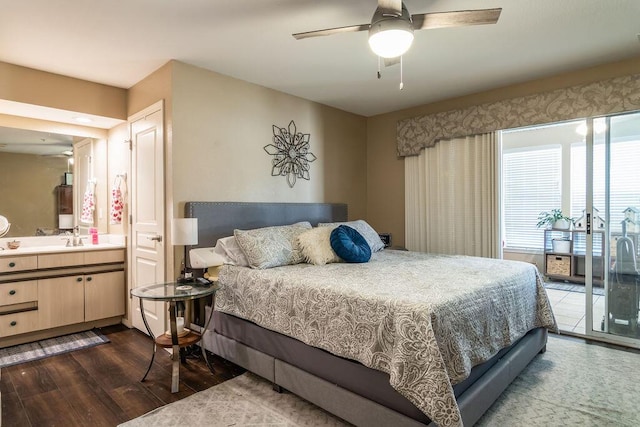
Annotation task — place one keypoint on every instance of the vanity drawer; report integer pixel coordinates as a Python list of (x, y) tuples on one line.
[(18, 323), (18, 263), (17, 292), (66, 259), (103, 257)]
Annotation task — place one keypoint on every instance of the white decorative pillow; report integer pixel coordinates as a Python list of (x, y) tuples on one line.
[(272, 246), (362, 227), (316, 248), (228, 248)]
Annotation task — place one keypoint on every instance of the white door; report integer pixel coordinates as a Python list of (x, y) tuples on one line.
[(147, 212)]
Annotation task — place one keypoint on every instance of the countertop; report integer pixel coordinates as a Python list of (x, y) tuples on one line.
[(56, 244)]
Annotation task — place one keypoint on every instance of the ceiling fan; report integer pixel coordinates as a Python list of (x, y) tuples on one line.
[(391, 28)]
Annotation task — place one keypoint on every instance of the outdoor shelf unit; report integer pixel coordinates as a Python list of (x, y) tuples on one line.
[(570, 266)]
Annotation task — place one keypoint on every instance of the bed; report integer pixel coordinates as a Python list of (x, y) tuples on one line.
[(378, 352)]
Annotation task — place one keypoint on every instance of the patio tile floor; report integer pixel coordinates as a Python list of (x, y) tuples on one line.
[(569, 309)]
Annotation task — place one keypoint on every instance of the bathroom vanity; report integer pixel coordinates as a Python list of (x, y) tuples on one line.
[(52, 290)]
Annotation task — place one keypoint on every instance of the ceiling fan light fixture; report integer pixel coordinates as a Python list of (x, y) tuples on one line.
[(390, 43), (390, 34)]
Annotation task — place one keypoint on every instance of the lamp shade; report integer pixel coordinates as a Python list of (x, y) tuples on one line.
[(184, 231)]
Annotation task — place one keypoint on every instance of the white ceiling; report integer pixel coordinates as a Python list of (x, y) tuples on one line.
[(120, 42)]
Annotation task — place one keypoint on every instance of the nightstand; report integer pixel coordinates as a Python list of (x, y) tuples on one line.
[(173, 293)]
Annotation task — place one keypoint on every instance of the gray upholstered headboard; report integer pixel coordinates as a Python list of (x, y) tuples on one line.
[(219, 219)]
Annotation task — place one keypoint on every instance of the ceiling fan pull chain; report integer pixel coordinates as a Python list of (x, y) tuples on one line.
[(379, 75), (401, 83)]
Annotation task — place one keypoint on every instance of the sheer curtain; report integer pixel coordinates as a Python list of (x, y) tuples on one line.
[(451, 200)]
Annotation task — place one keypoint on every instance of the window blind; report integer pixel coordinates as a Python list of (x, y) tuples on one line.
[(531, 184)]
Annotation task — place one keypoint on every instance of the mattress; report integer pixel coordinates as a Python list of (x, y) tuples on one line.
[(424, 320)]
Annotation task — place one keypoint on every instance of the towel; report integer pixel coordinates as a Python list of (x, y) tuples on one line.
[(88, 205), (117, 202)]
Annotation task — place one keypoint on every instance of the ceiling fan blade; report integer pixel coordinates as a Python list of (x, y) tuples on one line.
[(330, 31), (391, 6), (460, 18), (388, 62)]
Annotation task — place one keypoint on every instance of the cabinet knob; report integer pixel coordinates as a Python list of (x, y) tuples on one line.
[(12, 264), (78, 279), (12, 292), (89, 279), (13, 323)]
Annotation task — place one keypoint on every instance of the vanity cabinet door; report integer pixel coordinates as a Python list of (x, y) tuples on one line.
[(104, 295), (60, 301)]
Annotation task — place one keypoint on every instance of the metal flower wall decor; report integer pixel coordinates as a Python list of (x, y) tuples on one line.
[(291, 155)]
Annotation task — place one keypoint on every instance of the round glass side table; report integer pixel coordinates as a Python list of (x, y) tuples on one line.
[(173, 293)]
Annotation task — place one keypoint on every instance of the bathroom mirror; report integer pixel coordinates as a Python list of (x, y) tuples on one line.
[(33, 165)]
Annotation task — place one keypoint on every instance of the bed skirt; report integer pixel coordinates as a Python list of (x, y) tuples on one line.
[(348, 389)]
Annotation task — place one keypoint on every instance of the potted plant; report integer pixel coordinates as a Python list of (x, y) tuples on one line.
[(554, 219)]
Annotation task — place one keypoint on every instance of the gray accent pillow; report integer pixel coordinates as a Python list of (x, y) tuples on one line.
[(272, 246), (362, 227)]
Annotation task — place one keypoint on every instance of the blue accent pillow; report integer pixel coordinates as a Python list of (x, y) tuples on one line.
[(349, 245)]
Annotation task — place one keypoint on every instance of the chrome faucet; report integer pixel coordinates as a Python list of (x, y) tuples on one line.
[(77, 240)]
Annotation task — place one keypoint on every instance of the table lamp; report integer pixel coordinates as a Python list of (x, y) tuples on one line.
[(184, 232)]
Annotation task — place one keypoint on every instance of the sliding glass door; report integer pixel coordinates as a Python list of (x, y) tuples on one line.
[(606, 206)]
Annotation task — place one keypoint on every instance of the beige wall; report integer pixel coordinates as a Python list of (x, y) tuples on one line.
[(221, 124), (29, 86), (30, 200), (385, 171), (118, 158), (215, 130)]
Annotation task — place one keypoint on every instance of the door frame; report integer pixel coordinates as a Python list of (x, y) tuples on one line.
[(168, 248), (590, 331)]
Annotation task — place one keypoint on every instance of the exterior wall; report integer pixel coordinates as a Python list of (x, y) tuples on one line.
[(385, 171)]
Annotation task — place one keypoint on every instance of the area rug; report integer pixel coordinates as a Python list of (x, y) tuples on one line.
[(572, 384), (246, 400), (50, 347)]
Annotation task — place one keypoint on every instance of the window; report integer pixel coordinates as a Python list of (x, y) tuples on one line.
[(544, 167), (531, 184), (623, 179)]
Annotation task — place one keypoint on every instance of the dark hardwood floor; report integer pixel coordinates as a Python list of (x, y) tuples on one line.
[(100, 386)]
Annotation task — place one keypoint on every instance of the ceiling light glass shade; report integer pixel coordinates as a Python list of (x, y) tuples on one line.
[(391, 43), (390, 35)]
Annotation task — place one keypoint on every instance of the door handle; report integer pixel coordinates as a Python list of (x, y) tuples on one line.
[(156, 238)]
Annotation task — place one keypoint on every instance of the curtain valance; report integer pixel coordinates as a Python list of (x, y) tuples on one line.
[(594, 99)]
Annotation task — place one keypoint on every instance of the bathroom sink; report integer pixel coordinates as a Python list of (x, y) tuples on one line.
[(42, 249)]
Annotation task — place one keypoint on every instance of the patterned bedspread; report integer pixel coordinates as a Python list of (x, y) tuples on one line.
[(424, 319)]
